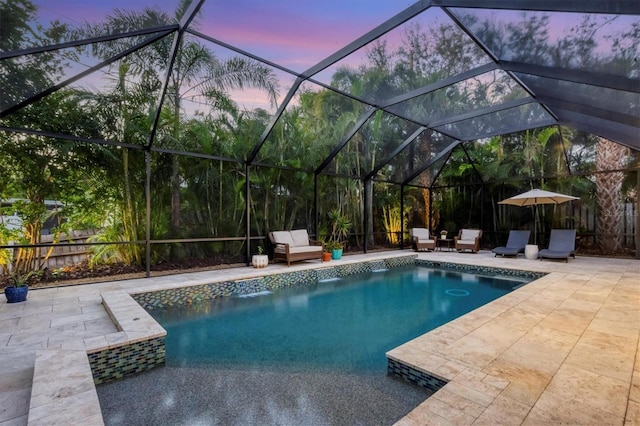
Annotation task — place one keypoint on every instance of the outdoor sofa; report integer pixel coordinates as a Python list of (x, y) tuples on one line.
[(292, 246)]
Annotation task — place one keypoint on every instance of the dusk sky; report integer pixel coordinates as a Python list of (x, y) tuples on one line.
[(294, 33)]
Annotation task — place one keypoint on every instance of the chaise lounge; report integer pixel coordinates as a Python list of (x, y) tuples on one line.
[(420, 239), (515, 244), (292, 246), (468, 239), (562, 244)]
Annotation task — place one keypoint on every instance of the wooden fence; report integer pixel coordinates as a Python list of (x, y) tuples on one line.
[(71, 250)]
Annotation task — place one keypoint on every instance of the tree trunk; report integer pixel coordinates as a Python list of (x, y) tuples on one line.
[(175, 193), (609, 156)]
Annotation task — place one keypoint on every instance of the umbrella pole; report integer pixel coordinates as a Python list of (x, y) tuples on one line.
[(535, 224)]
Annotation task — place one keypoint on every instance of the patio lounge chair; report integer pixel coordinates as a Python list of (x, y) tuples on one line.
[(515, 244), (468, 239), (562, 244), (420, 239)]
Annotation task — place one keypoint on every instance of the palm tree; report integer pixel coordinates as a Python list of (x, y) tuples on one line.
[(610, 158), (197, 72)]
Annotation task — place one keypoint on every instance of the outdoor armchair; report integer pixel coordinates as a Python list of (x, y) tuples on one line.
[(468, 239), (421, 240)]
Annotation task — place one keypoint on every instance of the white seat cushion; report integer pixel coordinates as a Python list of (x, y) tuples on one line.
[(306, 249), (300, 237), (294, 250), (469, 235), (421, 233), (283, 237)]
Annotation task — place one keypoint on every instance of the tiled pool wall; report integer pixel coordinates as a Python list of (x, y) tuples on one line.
[(415, 376), (475, 269), (112, 364), (203, 292)]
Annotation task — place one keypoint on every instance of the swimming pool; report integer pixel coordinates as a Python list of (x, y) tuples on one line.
[(301, 354), (342, 324)]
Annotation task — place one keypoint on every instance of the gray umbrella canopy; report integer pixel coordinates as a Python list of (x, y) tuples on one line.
[(535, 197)]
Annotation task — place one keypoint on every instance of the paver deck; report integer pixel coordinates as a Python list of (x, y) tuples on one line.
[(563, 349)]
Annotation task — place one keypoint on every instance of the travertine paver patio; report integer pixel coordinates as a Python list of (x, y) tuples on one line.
[(563, 349)]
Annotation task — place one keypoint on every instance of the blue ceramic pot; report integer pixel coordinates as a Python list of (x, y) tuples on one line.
[(16, 294)]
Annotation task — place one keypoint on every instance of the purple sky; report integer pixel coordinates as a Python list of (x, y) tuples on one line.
[(294, 33)]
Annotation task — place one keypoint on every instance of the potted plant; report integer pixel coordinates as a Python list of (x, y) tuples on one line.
[(260, 260), (326, 251), (17, 289), (340, 226)]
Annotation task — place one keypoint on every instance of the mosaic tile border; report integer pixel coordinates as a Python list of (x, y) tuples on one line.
[(203, 292), (460, 267), (115, 363), (415, 376)]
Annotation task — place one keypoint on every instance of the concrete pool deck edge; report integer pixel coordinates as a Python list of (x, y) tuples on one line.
[(579, 287)]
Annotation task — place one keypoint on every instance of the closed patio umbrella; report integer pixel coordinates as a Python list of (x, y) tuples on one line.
[(535, 197)]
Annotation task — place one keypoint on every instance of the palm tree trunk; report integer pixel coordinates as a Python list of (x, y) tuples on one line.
[(609, 156)]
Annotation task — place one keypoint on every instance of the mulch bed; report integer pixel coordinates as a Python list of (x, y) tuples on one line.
[(82, 274)]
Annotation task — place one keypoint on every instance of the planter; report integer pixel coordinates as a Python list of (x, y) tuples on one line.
[(260, 260), (326, 256), (336, 254), (531, 251), (16, 294)]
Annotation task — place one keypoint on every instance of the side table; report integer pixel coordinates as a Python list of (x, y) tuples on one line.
[(441, 242)]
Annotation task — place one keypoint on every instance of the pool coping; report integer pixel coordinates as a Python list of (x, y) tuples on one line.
[(461, 400)]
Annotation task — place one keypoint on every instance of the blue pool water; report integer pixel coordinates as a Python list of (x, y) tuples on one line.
[(346, 324)]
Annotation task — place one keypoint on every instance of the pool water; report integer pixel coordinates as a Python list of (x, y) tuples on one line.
[(347, 324)]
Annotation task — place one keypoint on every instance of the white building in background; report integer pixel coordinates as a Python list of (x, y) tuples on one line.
[(14, 221)]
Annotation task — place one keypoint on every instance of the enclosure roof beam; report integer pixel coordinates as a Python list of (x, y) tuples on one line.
[(166, 29), (73, 79), (429, 163), (395, 152), (482, 111), (188, 16), (624, 135), (573, 75), (62, 136), (267, 131), (616, 7), (361, 121), (604, 114), (449, 81), (380, 30)]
